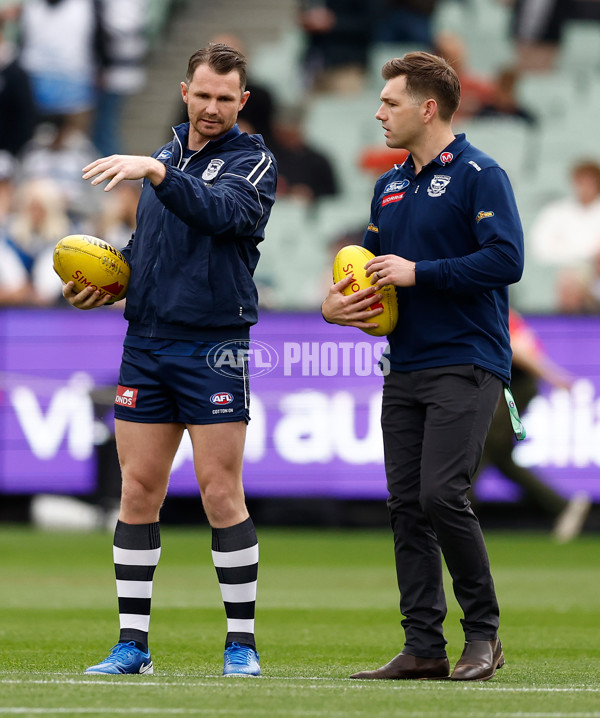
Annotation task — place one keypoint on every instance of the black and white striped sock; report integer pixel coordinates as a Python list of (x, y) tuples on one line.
[(136, 551), (235, 555)]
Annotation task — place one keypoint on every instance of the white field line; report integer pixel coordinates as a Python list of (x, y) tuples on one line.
[(227, 711), (336, 683)]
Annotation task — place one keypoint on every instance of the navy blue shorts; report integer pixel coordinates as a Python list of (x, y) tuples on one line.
[(157, 388)]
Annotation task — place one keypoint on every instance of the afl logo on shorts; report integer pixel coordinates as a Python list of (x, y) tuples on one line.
[(221, 398)]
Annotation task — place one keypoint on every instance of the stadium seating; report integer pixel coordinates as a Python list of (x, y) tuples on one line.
[(566, 100), (284, 54), (292, 258)]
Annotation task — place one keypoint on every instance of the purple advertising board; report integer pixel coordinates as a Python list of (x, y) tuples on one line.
[(316, 399)]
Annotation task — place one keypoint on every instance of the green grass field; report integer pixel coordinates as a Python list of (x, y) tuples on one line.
[(327, 607)]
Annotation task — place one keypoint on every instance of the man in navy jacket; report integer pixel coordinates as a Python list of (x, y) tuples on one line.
[(206, 198), (446, 232)]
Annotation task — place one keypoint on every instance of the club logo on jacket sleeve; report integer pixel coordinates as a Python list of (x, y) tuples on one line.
[(483, 215), (212, 170), (438, 185)]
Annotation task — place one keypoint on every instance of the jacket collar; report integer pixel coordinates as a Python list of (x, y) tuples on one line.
[(182, 132), (446, 156), (454, 149)]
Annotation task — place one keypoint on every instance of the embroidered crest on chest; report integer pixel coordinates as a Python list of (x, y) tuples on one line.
[(212, 170), (438, 185)]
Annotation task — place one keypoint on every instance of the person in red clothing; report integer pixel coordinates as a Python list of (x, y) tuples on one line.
[(531, 364)]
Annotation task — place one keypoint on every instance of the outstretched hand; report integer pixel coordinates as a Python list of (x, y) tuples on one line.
[(124, 167)]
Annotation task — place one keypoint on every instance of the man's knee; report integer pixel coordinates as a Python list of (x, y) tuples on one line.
[(216, 495), (224, 501), (441, 500), (139, 498)]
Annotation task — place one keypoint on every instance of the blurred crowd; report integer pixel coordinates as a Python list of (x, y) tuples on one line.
[(67, 68)]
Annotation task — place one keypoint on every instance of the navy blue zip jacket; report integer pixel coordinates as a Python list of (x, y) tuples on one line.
[(195, 246), (458, 220)]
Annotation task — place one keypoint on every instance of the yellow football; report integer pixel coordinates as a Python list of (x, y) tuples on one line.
[(89, 261), (351, 260)]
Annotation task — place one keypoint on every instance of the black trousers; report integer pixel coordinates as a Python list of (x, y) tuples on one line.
[(434, 426)]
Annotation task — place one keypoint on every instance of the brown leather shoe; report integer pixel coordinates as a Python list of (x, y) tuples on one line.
[(405, 666), (479, 661)]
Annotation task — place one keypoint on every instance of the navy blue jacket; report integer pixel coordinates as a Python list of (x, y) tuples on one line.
[(458, 220), (195, 247)]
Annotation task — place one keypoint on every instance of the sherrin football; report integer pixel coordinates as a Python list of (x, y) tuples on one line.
[(351, 260), (89, 261)]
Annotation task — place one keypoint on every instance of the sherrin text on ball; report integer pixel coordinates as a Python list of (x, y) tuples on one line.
[(91, 262), (351, 260)]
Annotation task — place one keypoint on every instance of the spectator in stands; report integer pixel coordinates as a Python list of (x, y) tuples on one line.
[(39, 220), (7, 185), (530, 364), (123, 49), (17, 109), (14, 279), (405, 21), (15, 288), (304, 172), (503, 101), (537, 29), (58, 152), (593, 286), (59, 50), (575, 291), (566, 237), (338, 34), (476, 91)]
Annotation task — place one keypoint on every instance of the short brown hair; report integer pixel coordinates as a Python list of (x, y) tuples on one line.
[(427, 75), (221, 58)]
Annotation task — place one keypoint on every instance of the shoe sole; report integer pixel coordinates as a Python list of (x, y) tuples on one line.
[(143, 671), (404, 678)]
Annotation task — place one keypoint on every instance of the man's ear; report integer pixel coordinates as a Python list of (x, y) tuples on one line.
[(430, 108), (245, 96)]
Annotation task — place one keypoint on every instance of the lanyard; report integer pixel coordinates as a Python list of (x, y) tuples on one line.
[(515, 419)]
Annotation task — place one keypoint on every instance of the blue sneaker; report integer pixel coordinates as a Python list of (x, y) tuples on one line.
[(124, 658), (240, 661)]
